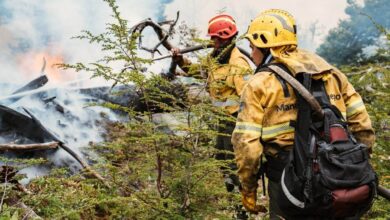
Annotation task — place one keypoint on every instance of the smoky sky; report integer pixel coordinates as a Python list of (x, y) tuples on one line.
[(29, 27)]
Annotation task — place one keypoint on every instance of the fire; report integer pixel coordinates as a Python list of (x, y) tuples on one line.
[(31, 63)]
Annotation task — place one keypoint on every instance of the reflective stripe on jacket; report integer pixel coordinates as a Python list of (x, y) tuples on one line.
[(265, 115)]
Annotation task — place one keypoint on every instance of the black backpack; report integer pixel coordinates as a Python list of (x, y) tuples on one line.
[(328, 174)]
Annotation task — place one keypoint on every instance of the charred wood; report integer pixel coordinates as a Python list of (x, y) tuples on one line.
[(127, 96), (34, 84), (23, 125), (58, 107)]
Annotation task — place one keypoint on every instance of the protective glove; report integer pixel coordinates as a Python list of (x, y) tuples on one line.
[(177, 57), (249, 202)]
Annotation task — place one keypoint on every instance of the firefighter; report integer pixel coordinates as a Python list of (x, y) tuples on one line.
[(225, 81), (267, 107)]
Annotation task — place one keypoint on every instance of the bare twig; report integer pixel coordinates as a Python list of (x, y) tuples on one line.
[(23, 147), (169, 32), (159, 175), (162, 34)]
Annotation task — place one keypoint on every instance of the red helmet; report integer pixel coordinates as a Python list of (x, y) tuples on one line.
[(222, 26)]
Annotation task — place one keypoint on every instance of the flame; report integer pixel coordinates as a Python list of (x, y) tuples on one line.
[(31, 63)]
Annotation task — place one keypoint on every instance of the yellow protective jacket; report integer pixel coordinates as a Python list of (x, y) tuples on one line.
[(225, 82), (265, 113)]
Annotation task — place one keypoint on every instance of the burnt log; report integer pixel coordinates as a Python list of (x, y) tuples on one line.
[(22, 125), (34, 84)]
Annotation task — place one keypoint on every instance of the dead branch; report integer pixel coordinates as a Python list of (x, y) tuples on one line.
[(162, 34), (84, 165), (185, 50), (24, 147)]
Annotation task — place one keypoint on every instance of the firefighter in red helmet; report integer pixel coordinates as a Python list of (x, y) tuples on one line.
[(226, 79)]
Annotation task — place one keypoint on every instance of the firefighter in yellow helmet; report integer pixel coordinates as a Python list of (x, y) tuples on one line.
[(267, 106), (225, 81)]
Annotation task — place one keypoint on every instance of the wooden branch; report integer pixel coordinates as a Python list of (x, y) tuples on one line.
[(302, 90), (84, 165), (162, 34), (185, 50), (169, 32), (25, 147)]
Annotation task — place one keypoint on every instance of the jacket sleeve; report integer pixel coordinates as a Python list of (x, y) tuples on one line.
[(246, 136), (357, 117)]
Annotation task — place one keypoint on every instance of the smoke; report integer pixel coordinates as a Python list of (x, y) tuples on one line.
[(33, 30), (314, 18), (30, 30)]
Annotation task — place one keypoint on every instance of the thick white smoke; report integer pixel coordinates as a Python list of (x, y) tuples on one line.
[(33, 30)]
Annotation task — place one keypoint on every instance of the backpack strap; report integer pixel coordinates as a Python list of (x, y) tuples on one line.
[(315, 105), (280, 79)]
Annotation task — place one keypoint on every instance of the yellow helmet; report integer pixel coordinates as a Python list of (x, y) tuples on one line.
[(272, 28), (281, 13)]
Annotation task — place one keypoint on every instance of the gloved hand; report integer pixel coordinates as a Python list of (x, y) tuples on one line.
[(176, 55), (249, 202)]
